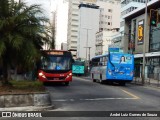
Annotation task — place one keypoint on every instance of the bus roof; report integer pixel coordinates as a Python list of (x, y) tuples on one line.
[(110, 53)]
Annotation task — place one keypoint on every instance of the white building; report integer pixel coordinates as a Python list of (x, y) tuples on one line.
[(63, 46), (109, 18), (109, 14), (88, 26), (104, 40), (73, 20)]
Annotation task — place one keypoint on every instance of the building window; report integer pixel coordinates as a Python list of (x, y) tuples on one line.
[(154, 39), (109, 10), (109, 23), (122, 24)]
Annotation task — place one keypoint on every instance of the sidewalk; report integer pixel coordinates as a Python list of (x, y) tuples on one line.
[(148, 82), (138, 81)]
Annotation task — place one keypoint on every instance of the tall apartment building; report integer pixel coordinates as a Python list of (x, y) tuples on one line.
[(88, 26), (106, 18), (109, 14), (109, 24), (73, 19), (104, 40)]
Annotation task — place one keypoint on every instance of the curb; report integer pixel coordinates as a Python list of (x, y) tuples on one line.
[(28, 108)]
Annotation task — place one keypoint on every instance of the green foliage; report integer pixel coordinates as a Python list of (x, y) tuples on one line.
[(27, 85), (23, 31)]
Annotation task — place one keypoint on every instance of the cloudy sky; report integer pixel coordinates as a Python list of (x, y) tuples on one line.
[(47, 5)]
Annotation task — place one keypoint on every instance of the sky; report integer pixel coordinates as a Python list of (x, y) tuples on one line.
[(61, 7), (47, 5)]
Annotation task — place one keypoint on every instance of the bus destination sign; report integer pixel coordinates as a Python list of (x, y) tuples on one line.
[(55, 53)]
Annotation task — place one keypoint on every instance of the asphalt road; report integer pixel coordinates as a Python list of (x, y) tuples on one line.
[(85, 96)]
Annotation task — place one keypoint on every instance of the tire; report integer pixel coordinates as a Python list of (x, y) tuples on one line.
[(101, 81)]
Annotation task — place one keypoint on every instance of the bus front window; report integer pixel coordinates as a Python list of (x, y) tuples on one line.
[(56, 63)]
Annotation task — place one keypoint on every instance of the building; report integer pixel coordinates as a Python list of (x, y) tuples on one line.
[(63, 46), (127, 6), (88, 26), (134, 28), (104, 40), (73, 20), (106, 19), (109, 14)]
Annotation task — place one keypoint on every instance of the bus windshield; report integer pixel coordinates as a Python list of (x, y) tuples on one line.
[(56, 63)]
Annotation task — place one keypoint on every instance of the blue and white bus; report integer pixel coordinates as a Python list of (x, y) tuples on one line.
[(113, 67)]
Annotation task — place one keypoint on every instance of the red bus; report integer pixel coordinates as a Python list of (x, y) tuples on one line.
[(56, 66)]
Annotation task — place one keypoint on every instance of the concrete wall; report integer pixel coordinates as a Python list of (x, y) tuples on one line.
[(21, 100)]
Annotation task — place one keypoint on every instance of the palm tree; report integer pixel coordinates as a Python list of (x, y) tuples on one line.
[(22, 30)]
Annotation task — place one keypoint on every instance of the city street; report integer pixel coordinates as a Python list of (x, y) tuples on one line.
[(84, 95)]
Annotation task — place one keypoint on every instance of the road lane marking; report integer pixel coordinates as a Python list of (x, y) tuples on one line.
[(96, 99), (92, 99), (134, 96)]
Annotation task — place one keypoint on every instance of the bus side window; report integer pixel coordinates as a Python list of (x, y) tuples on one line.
[(104, 61), (100, 63)]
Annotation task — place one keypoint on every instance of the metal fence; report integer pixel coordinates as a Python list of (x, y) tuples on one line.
[(152, 75)]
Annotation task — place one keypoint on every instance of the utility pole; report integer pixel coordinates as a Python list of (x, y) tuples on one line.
[(89, 52), (144, 44)]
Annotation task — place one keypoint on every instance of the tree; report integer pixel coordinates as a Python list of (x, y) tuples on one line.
[(22, 33)]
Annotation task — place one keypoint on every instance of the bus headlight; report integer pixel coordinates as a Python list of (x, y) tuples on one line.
[(42, 75), (70, 74), (109, 72)]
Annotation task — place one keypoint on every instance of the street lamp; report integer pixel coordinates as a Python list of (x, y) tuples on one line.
[(88, 53), (144, 44)]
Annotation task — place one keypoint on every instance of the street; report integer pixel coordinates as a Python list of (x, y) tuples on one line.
[(85, 96)]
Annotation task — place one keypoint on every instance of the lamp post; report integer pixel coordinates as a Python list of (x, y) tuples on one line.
[(144, 44), (89, 52)]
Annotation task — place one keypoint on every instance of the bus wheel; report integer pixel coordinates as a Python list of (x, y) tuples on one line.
[(66, 83), (101, 81)]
